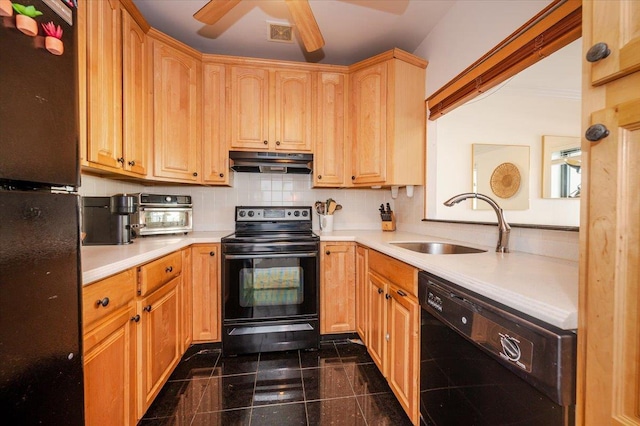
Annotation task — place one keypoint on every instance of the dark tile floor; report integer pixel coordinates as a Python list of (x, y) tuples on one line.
[(336, 385)]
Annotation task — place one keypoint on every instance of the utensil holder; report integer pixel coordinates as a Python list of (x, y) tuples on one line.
[(389, 225), (326, 222)]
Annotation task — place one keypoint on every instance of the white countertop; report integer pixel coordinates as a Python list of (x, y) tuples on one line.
[(543, 287)]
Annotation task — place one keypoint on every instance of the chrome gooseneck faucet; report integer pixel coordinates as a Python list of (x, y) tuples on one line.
[(503, 227)]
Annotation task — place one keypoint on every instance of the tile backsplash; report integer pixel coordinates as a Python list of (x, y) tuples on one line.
[(214, 207), (213, 210)]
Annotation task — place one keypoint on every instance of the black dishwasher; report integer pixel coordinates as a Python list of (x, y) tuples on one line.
[(482, 363)]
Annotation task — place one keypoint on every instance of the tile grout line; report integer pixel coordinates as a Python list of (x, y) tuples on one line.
[(304, 392), (193, 418), (366, 422), (255, 385)]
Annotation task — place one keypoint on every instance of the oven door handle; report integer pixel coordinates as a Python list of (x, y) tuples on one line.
[(269, 255)]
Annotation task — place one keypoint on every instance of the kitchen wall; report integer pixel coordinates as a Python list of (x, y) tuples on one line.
[(467, 32), (213, 207)]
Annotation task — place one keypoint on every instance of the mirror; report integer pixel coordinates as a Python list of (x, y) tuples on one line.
[(561, 165), (541, 100)]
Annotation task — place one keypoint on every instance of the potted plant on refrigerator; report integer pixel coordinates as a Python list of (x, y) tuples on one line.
[(24, 19), (53, 39)]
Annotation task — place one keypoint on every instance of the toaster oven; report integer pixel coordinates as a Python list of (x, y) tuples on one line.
[(160, 214)]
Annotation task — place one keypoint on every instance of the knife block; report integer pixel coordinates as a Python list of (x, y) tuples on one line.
[(389, 225)]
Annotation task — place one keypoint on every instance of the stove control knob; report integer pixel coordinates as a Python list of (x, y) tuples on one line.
[(242, 213), (167, 199), (305, 213), (251, 213), (296, 213)]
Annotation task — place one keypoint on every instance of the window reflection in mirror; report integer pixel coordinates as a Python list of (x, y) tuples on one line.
[(562, 163), (543, 99)]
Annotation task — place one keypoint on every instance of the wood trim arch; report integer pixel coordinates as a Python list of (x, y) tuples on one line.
[(554, 27)]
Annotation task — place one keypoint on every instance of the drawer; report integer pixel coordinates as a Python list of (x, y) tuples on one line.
[(394, 271), (106, 296), (154, 274)]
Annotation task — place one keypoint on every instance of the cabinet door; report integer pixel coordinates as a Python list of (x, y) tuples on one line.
[(362, 269), (369, 121), (403, 350), (214, 143), (109, 370), (337, 288), (377, 321), (186, 301), (292, 114), (617, 23), (104, 83), (249, 108), (159, 332), (329, 156), (206, 293), (137, 98), (176, 114)]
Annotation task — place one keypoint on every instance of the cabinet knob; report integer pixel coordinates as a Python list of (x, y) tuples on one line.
[(121, 160), (278, 143), (221, 175), (598, 52), (195, 173), (212, 253), (353, 178), (147, 308), (387, 296), (328, 252), (103, 302), (135, 318), (169, 269), (596, 132), (319, 176), (265, 142), (380, 291), (132, 163)]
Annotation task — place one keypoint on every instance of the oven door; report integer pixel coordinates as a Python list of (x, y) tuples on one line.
[(162, 220), (270, 286)]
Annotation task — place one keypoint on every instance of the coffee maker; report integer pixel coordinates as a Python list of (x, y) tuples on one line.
[(107, 220)]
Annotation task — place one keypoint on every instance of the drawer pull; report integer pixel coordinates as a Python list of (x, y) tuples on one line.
[(103, 302), (135, 318), (147, 308), (169, 269), (401, 293), (380, 291)]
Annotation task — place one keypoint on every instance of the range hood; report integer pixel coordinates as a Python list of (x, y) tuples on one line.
[(271, 162)]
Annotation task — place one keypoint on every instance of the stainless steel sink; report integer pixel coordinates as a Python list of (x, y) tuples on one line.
[(430, 247)]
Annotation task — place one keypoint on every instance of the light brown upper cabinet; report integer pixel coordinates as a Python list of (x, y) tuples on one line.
[(116, 71), (329, 129), (214, 145), (387, 115), (270, 109), (617, 32), (137, 96), (104, 83), (176, 110)]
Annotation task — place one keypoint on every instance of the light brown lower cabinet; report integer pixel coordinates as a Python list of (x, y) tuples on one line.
[(109, 345), (393, 327), (206, 292), (362, 269), (337, 287)]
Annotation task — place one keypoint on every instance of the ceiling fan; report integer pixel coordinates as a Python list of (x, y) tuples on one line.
[(300, 11)]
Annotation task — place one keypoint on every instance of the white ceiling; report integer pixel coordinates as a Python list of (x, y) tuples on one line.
[(352, 29)]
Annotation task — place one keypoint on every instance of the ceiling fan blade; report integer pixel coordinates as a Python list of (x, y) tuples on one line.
[(213, 11), (307, 26)]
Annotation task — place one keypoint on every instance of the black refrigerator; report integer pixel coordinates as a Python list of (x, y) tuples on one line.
[(41, 378)]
